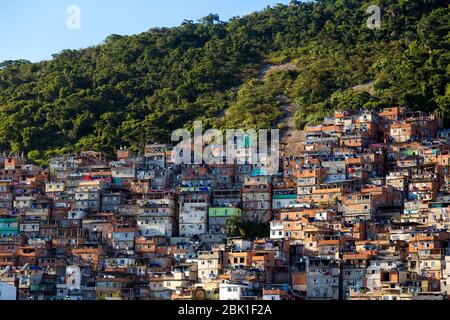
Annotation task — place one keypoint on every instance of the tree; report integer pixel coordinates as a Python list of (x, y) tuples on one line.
[(131, 90), (210, 19)]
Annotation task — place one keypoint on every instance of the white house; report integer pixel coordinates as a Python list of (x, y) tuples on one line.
[(230, 291)]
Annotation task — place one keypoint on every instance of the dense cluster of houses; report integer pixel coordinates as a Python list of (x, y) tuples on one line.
[(360, 210)]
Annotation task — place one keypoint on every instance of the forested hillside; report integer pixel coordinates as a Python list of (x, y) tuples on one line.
[(137, 89)]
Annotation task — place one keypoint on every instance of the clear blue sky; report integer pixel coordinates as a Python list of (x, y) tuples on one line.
[(36, 29)]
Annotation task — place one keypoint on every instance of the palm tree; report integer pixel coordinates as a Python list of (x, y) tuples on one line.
[(235, 226)]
